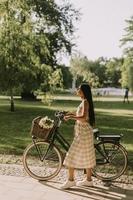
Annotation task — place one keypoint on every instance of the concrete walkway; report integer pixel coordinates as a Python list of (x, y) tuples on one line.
[(26, 188)]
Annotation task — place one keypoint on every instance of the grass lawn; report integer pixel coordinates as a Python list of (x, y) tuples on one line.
[(112, 116)]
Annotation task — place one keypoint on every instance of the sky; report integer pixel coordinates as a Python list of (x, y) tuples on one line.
[(101, 27)]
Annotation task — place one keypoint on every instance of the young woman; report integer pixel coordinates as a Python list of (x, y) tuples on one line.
[(81, 154)]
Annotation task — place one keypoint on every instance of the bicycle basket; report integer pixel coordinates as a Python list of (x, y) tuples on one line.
[(38, 131)]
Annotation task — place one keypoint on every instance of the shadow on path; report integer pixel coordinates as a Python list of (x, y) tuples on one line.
[(98, 192)]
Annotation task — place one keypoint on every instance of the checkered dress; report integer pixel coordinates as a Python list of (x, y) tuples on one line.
[(81, 154)]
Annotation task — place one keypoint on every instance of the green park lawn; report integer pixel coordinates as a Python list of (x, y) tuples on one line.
[(112, 116)]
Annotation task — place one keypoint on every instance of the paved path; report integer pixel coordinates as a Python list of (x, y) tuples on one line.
[(25, 188), (19, 186)]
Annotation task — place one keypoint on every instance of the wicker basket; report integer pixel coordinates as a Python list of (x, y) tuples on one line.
[(38, 131)]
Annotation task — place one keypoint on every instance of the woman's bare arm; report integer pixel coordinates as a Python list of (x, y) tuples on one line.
[(83, 114)]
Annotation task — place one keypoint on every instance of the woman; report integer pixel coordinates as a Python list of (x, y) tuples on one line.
[(81, 154)]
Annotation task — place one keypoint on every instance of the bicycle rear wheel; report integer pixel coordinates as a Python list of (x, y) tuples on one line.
[(39, 166), (111, 160)]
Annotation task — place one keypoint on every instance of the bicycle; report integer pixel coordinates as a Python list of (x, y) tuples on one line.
[(43, 160)]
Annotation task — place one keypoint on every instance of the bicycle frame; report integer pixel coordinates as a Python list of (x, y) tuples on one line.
[(104, 153), (61, 140), (56, 136)]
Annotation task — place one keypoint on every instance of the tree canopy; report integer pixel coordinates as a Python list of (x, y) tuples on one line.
[(127, 43), (32, 34), (99, 73)]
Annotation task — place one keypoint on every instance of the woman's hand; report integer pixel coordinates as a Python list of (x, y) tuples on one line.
[(67, 117)]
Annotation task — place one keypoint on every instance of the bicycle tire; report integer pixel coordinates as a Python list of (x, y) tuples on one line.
[(45, 169), (117, 161)]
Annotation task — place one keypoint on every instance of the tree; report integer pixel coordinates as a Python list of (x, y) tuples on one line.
[(53, 81), (88, 70), (127, 42), (67, 76), (32, 33), (124, 73), (113, 72), (56, 80), (56, 23), (130, 75), (127, 74), (12, 39), (75, 63)]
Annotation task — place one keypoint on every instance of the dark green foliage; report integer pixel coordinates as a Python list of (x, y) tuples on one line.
[(127, 42), (32, 34), (99, 73), (67, 77)]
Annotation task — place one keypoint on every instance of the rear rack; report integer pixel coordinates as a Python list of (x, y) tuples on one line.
[(109, 137), (106, 137)]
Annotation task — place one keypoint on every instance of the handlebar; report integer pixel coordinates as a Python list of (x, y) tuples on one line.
[(60, 117), (60, 114)]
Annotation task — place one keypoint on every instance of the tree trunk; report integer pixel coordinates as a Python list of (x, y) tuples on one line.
[(74, 83), (12, 102)]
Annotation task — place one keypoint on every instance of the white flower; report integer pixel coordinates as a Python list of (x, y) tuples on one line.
[(46, 122)]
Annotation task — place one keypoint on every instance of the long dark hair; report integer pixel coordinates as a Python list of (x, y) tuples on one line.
[(88, 95)]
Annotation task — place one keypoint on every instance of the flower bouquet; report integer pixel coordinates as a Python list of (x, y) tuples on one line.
[(41, 127), (46, 123)]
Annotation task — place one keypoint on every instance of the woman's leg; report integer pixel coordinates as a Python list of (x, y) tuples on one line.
[(88, 180), (88, 174), (70, 182), (71, 174)]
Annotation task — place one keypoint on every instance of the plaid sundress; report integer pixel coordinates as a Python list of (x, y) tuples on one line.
[(81, 153)]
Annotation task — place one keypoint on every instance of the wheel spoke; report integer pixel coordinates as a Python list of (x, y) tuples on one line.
[(111, 161), (41, 163)]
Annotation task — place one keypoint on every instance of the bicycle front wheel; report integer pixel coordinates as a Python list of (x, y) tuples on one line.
[(42, 162), (111, 160)]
